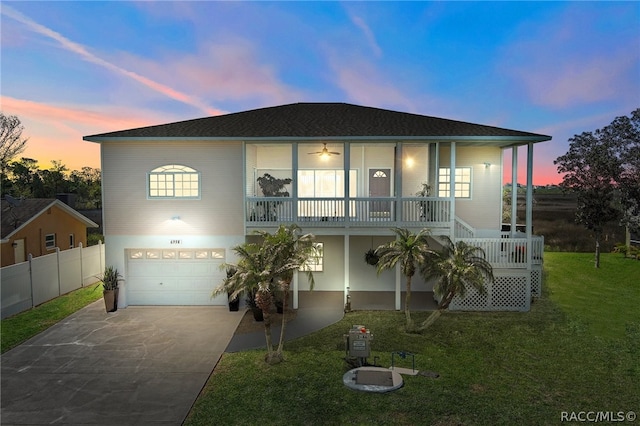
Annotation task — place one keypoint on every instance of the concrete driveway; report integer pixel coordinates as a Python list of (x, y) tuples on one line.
[(136, 366)]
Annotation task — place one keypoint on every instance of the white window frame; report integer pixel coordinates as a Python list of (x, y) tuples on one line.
[(316, 263), (173, 181), (319, 183), (463, 182), (50, 241)]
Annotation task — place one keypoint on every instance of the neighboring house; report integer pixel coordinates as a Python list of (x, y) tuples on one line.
[(177, 197), (38, 226)]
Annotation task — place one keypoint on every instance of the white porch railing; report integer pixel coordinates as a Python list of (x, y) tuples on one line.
[(509, 252), (462, 229), (381, 211)]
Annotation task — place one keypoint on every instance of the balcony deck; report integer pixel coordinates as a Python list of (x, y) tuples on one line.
[(362, 214)]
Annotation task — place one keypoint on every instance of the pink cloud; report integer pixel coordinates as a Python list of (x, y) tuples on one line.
[(222, 70), (364, 83), (83, 52), (368, 33), (55, 132), (75, 117)]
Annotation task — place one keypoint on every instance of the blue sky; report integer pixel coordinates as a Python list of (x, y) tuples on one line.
[(76, 68)]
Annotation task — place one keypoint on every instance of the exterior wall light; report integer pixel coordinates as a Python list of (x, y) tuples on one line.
[(487, 164)]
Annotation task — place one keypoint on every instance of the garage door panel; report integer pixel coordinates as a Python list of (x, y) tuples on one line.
[(188, 278)]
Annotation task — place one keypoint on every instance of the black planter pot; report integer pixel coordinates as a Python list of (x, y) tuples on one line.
[(257, 314), (234, 305)]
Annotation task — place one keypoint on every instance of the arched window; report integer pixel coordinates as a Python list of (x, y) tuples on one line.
[(174, 181)]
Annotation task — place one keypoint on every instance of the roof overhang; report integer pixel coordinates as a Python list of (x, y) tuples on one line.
[(502, 141)]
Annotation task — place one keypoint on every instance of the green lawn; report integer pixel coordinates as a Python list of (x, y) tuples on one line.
[(578, 349), (603, 299), (25, 325)]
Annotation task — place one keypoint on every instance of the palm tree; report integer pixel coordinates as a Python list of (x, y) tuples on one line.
[(254, 276), (455, 267), (263, 268), (292, 252), (410, 251)]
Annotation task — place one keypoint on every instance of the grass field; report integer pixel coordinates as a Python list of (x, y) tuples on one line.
[(578, 349)]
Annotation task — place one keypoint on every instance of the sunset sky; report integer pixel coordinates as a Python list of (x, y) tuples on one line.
[(70, 69)]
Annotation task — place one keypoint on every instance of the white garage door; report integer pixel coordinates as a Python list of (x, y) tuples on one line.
[(174, 277)]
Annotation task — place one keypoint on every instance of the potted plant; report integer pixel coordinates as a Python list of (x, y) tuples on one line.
[(424, 192), (272, 187), (234, 304), (255, 309), (109, 280), (371, 257)]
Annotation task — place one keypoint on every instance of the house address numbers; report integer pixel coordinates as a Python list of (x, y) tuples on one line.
[(174, 242)]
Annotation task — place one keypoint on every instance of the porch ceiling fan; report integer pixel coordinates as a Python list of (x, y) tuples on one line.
[(325, 152)]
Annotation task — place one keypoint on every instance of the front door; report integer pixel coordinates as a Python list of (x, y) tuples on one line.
[(379, 186)]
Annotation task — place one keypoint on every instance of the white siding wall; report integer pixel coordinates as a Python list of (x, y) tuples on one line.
[(483, 210), (332, 278), (251, 152), (127, 211), (362, 276), (413, 176)]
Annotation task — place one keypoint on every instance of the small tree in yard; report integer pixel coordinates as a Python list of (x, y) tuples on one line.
[(455, 267), (253, 275), (409, 251), (292, 252), (266, 267), (602, 169)]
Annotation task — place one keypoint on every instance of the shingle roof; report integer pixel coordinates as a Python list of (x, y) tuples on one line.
[(16, 215), (318, 120)]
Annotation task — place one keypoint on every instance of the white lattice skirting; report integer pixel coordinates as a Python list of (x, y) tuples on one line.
[(510, 291), (536, 281)]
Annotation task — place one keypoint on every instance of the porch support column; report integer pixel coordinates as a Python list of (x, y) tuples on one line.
[(452, 189), (294, 290), (398, 288), (347, 181), (398, 182), (346, 268), (514, 190), (294, 177), (529, 208), (437, 170)]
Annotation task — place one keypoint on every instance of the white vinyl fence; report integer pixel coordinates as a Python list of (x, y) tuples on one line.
[(39, 279)]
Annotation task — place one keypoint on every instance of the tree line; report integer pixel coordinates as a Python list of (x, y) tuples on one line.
[(602, 168), (24, 178)]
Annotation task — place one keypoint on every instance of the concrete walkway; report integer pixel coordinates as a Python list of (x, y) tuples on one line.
[(307, 321), (136, 366)]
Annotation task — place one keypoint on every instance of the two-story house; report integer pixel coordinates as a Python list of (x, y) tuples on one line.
[(177, 197)]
